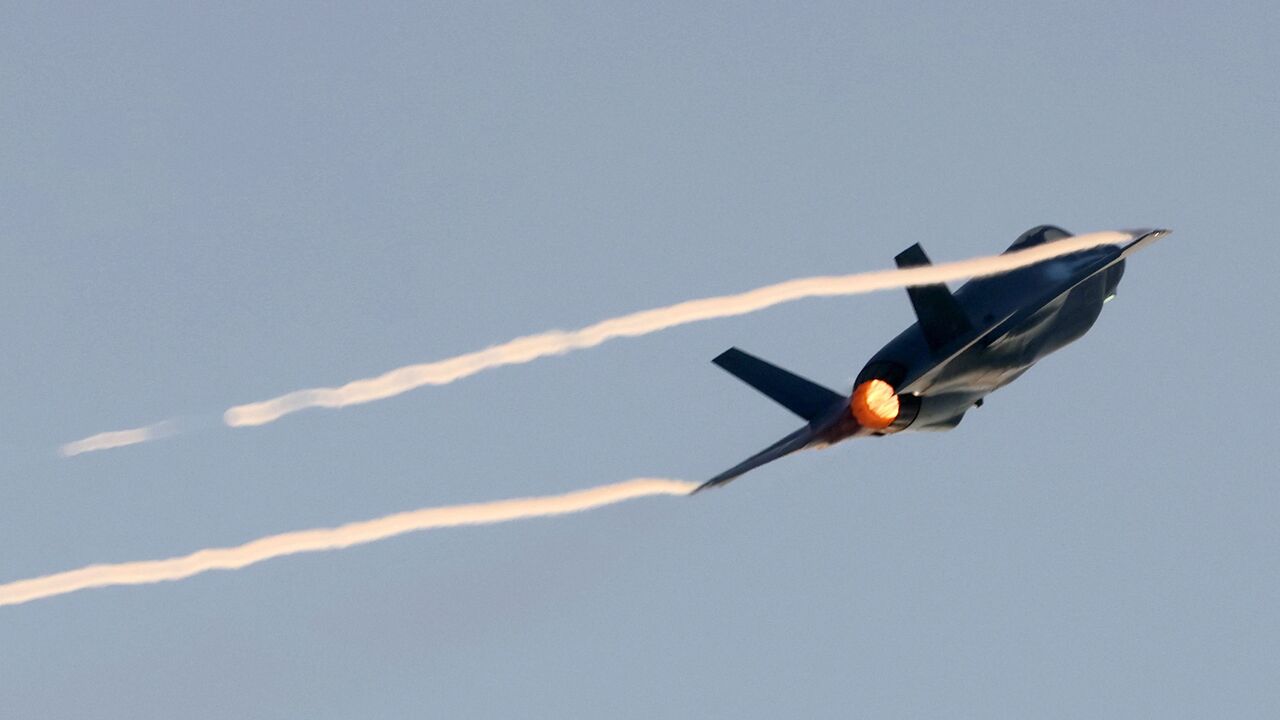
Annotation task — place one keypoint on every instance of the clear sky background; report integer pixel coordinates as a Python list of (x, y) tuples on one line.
[(202, 206)]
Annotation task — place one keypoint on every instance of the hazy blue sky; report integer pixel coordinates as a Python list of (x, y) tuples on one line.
[(202, 206)]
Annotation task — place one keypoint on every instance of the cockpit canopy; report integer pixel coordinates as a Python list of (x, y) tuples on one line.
[(1038, 235)]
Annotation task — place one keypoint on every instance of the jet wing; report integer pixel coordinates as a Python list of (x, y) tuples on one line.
[(787, 445), (998, 329), (1142, 238)]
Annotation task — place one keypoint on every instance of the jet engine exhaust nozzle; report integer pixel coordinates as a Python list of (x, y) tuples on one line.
[(875, 404)]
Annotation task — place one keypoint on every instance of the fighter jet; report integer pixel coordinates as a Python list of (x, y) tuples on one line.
[(962, 347)]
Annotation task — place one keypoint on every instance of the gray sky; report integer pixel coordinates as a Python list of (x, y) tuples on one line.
[(208, 206)]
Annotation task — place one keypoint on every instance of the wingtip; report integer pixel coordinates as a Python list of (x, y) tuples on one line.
[(1153, 233), (703, 486), (720, 359)]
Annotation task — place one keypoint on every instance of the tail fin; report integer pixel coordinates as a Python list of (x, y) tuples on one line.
[(802, 397), (941, 318)]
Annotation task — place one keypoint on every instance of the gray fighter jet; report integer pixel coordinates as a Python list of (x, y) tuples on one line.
[(962, 347)]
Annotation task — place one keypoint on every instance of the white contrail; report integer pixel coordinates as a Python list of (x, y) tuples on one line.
[(556, 342), (119, 438), (356, 533)]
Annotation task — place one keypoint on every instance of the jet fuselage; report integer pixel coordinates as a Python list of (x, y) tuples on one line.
[(963, 346), (1059, 300)]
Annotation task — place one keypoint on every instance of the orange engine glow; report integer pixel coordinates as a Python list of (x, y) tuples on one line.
[(874, 404)]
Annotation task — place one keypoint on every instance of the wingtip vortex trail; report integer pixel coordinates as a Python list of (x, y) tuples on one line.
[(558, 342), (119, 438), (344, 536)]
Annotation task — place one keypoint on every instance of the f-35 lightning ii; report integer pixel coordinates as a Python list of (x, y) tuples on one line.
[(962, 347)]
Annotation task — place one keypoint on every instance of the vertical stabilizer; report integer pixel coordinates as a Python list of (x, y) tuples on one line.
[(940, 316)]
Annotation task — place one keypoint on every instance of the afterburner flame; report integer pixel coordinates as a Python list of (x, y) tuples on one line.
[(875, 404)]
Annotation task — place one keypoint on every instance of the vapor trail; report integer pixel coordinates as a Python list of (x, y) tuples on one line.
[(356, 533), (119, 438), (556, 342)]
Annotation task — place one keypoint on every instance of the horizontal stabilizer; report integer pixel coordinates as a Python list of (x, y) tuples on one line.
[(940, 316), (807, 399)]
